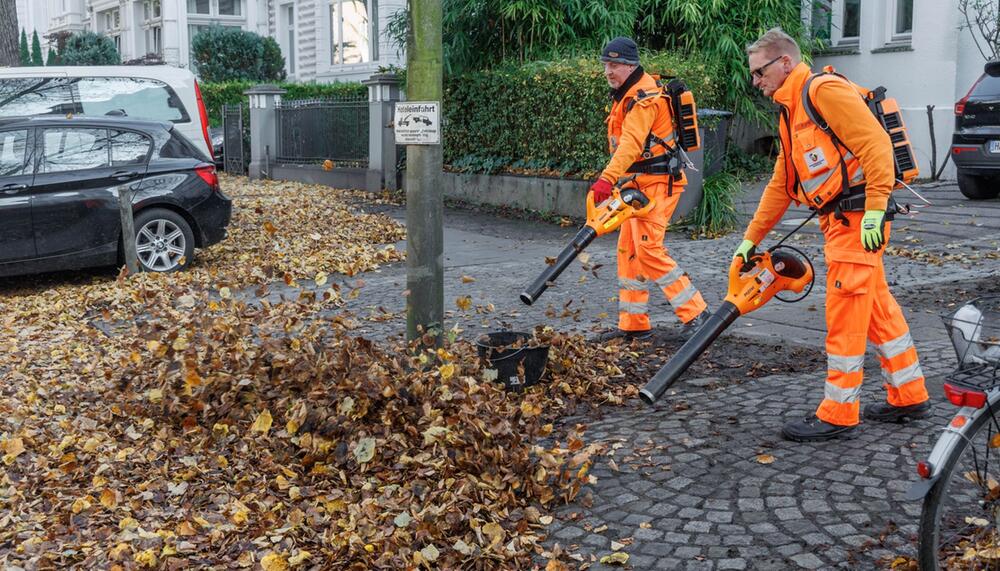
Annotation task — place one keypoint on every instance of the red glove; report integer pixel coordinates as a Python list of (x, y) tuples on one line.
[(601, 190)]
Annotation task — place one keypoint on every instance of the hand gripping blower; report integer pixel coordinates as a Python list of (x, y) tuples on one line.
[(606, 217), (751, 285)]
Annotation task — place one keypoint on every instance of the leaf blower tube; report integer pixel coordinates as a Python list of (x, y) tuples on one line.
[(751, 285), (582, 239), (623, 204)]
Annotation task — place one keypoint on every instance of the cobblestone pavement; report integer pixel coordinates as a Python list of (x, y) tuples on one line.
[(684, 487)]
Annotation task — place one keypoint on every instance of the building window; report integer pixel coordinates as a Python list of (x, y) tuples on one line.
[(198, 7), (154, 41), (288, 12), (151, 9), (821, 20), (110, 20), (352, 27), (902, 20), (230, 7), (851, 22)]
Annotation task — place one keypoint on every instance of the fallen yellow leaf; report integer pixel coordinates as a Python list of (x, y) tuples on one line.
[(263, 422)]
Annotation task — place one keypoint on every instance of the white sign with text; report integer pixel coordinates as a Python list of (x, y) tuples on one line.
[(417, 123)]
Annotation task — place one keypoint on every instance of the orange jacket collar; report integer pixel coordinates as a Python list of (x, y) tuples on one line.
[(791, 90)]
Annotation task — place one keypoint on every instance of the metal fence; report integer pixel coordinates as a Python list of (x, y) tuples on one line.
[(235, 139), (315, 130)]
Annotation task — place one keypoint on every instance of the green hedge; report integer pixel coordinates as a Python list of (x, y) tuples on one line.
[(216, 95), (547, 117)]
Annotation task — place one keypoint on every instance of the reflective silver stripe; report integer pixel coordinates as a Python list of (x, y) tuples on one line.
[(634, 307), (684, 296), (897, 346), (670, 277), (632, 285), (845, 364), (858, 176), (837, 394), (812, 184), (903, 376)]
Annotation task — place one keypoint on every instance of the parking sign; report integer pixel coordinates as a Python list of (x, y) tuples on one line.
[(418, 123)]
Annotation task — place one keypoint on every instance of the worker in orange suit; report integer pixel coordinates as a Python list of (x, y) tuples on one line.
[(847, 173), (641, 140)]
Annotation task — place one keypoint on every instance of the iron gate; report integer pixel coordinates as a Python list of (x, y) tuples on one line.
[(232, 139), (313, 130)]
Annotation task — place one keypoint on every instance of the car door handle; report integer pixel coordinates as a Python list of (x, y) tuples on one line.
[(13, 188), (124, 175)]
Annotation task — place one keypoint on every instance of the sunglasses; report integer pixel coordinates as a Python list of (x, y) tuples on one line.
[(759, 72)]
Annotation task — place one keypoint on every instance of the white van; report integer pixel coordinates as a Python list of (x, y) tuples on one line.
[(155, 92)]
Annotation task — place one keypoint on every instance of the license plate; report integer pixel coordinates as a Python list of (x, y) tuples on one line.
[(995, 146)]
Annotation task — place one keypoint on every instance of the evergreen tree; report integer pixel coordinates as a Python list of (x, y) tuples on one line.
[(25, 55), (36, 50), (52, 59)]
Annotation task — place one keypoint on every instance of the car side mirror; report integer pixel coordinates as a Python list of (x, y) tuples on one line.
[(992, 68)]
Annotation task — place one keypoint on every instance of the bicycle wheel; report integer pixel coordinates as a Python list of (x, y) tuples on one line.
[(959, 520)]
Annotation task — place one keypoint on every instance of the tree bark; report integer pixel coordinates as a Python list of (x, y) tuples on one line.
[(9, 54)]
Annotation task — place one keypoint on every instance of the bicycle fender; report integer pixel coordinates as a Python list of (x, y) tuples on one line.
[(951, 436)]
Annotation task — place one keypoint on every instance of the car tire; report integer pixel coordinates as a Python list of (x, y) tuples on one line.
[(978, 187), (164, 241)]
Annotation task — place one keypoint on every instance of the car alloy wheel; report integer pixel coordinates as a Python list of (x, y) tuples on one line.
[(160, 245)]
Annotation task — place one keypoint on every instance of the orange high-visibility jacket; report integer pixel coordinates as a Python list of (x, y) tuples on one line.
[(628, 128), (811, 156)]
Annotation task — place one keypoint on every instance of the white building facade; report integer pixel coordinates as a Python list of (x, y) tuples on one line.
[(912, 47), (322, 40)]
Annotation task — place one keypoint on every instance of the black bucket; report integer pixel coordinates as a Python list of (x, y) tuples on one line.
[(516, 367)]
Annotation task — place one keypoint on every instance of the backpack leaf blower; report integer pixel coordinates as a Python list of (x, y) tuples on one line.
[(751, 285), (606, 217)]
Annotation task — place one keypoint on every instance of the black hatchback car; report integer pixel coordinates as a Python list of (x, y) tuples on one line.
[(59, 181), (975, 146)]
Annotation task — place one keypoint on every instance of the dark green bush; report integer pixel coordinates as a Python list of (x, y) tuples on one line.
[(223, 53), (546, 116), (216, 95), (88, 48)]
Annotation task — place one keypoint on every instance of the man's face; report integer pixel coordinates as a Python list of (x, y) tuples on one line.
[(617, 73), (768, 72)]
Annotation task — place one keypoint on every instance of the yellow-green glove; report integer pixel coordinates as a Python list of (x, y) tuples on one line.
[(872, 226), (745, 251)]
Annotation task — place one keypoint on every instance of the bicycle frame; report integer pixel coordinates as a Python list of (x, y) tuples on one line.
[(952, 435)]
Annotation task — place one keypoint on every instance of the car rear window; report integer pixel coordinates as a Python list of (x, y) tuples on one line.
[(137, 97), (988, 86), (73, 148)]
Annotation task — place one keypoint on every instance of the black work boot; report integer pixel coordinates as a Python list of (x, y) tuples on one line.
[(691, 327), (885, 412), (626, 336), (812, 429)]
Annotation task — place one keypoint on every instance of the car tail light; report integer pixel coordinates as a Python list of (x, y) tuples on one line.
[(924, 469), (207, 174), (960, 150), (960, 106), (204, 118), (964, 397)]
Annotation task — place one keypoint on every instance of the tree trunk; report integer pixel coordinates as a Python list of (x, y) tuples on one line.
[(9, 54)]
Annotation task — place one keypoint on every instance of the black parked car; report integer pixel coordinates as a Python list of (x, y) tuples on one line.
[(975, 146), (59, 180)]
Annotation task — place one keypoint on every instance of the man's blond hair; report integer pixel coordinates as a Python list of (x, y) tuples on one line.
[(775, 42)]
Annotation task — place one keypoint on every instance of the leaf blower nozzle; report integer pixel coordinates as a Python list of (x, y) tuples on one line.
[(582, 239), (691, 350)]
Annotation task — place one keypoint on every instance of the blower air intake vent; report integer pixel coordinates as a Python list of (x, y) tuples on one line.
[(904, 160), (892, 121), (897, 137)]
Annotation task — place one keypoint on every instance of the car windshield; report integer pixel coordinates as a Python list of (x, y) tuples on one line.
[(139, 98)]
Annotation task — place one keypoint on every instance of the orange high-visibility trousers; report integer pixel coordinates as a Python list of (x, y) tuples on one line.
[(859, 307), (642, 259)]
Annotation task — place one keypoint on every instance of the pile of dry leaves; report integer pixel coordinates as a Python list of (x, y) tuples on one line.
[(168, 421)]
